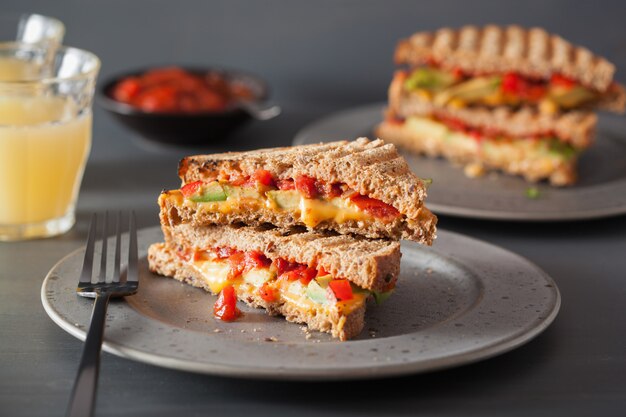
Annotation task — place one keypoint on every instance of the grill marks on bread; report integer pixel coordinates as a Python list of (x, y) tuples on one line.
[(371, 168), (495, 49)]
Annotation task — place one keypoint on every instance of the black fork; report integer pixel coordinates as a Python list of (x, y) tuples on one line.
[(83, 397)]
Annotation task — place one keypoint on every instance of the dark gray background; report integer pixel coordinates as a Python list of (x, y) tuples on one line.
[(319, 57)]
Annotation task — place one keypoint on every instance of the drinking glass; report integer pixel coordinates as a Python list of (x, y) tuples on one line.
[(45, 135)]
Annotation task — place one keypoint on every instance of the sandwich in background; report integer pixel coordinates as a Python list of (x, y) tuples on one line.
[(504, 98)]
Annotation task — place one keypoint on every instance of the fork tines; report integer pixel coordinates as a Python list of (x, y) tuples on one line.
[(87, 273)]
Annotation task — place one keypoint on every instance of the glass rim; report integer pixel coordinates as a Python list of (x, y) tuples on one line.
[(61, 49)]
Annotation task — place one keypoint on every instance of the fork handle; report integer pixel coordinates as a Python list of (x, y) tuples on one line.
[(83, 397)]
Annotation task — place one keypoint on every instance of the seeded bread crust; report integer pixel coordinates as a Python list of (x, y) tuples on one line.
[(497, 49), (575, 127), (531, 167), (371, 168), (370, 264), (162, 260)]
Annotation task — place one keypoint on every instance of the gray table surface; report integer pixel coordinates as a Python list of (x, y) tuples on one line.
[(319, 58)]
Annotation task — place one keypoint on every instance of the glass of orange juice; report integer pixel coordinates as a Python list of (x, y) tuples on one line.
[(45, 135)]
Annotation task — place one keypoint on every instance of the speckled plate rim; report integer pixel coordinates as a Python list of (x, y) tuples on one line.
[(348, 119), (456, 244)]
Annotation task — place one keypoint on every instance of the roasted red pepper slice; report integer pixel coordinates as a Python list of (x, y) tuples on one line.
[(225, 308), (375, 207), (283, 265), (264, 177), (562, 81), (342, 289), (267, 293), (190, 189), (301, 272), (237, 262), (307, 274), (255, 259), (306, 186), (512, 83)]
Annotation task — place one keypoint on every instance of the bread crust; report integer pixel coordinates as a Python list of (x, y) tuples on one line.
[(370, 264), (531, 52), (532, 167), (372, 168), (162, 260), (575, 127)]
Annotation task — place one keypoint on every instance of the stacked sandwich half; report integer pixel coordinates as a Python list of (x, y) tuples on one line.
[(503, 98), (308, 232)]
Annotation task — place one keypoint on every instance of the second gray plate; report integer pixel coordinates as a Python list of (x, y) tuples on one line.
[(458, 302), (601, 191)]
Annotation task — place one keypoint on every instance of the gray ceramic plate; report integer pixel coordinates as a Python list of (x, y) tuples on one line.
[(460, 301), (601, 191)]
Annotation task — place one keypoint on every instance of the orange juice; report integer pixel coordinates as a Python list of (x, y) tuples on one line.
[(17, 69), (43, 150)]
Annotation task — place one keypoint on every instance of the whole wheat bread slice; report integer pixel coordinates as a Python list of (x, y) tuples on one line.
[(497, 49), (163, 260), (371, 168), (370, 264)]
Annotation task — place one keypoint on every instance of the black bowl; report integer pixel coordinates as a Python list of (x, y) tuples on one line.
[(184, 129)]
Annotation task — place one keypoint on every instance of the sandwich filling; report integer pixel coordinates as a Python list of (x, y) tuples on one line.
[(453, 131), (310, 200), (535, 158), (233, 273), (459, 89)]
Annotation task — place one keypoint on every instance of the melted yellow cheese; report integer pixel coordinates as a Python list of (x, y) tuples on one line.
[(215, 274), (310, 211), (339, 210)]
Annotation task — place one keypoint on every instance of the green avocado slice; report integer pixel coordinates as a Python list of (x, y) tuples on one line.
[(241, 192), (429, 79), (316, 293), (285, 199), (210, 192), (469, 91)]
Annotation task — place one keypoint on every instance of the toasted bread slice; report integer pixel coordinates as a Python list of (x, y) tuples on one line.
[(534, 159), (371, 170), (370, 264), (343, 325), (498, 49), (574, 127)]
